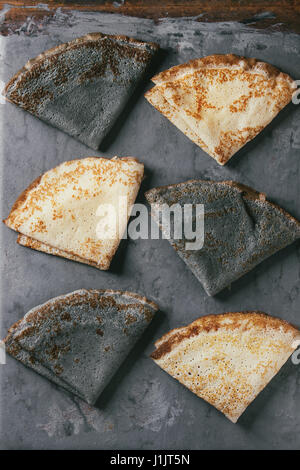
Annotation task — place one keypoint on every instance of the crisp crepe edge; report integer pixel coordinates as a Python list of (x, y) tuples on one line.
[(246, 191), (230, 61)]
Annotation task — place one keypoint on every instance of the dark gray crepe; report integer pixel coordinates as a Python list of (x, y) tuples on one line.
[(82, 86), (79, 340), (241, 229)]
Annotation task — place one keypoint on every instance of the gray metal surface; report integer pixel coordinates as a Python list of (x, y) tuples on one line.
[(143, 407)]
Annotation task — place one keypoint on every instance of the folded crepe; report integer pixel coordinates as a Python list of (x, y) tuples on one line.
[(78, 210), (79, 340), (81, 87), (241, 228), (221, 101), (227, 359)]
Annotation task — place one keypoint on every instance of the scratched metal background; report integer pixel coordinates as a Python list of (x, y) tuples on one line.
[(143, 407)]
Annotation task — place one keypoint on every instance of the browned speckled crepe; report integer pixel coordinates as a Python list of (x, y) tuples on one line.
[(79, 340), (81, 87), (227, 359)]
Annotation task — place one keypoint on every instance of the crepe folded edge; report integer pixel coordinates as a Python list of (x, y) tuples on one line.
[(212, 322), (75, 43), (153, 195), (27, 358), (29, 242)]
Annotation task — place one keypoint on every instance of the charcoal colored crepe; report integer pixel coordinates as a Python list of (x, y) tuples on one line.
[(221, 101), (58, 212), (79, 340), (81, 87), (241, 229)]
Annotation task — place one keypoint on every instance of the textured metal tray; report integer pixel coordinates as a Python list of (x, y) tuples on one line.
[(143, 407)]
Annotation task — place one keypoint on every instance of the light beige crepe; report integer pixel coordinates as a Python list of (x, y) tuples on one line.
[(227, 359), (79, 340), (65, 212), (221, 102), (39, 246)]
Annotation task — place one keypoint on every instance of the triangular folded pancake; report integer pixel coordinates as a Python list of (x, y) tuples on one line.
[(58, 214), (221, 101), (79, 340), (82, 86), (241, 228), (227, 359)]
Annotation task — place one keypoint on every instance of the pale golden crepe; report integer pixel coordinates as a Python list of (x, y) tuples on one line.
[(59, 212), (227, 359), (221, 102), (79, 340)]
